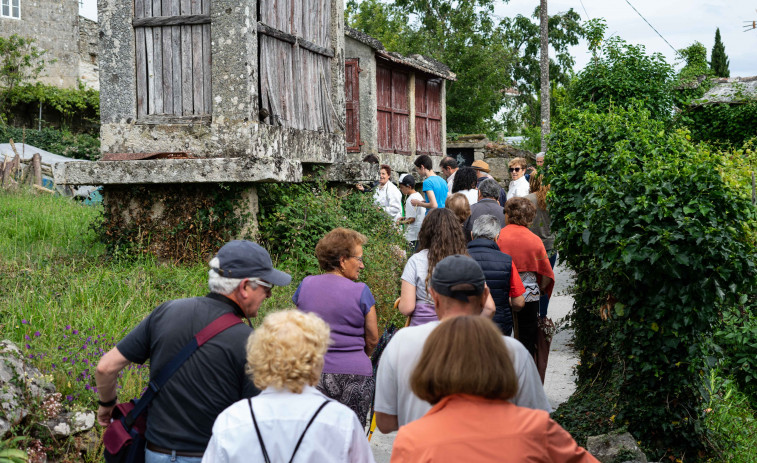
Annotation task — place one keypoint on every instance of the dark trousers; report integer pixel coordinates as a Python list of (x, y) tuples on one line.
[(527, 325)]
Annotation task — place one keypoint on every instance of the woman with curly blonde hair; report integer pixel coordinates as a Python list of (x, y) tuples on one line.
[(289, 417), (441, 235)]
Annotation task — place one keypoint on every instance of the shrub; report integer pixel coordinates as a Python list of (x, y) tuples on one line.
[(622, 74), (293, 217), (659, 243), (63, 142)]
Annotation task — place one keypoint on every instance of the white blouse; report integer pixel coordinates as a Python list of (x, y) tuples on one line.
[(389, 199), (334, 436)]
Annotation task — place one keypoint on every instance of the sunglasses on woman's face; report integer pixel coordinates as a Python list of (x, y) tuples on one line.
[(515, 169)]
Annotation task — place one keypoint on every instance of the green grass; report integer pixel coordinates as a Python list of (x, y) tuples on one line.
[(61, 296), (65, 303), (731, 421)]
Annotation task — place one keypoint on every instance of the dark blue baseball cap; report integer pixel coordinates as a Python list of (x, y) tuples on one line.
[(245, 259), (458, 277)]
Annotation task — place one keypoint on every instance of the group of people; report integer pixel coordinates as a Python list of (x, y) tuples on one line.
[(300, 386)]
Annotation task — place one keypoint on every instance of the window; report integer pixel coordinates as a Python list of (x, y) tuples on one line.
[(173, 60), (295, 56), (393, 110), (10, 8), (352, 103), (428, 115)]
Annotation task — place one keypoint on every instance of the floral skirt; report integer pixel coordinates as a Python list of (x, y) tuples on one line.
[(354, 391)]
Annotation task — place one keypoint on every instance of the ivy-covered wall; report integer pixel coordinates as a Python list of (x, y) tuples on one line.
[(181, 223)]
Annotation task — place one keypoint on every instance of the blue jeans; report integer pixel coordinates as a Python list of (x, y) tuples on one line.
[(155, 457), (544, 299)]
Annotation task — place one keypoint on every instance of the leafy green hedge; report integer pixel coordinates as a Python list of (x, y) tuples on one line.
[(660, 244), (63, 142), (293, 217), (728, 124), (74, 105)]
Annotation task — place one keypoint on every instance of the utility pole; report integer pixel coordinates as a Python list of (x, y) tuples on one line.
[(544, 65)]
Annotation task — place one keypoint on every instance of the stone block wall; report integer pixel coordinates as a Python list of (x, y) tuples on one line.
[(55, 26), (89, 73)]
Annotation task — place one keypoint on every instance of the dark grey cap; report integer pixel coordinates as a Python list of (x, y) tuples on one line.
[(458, 277), (245, 259), (408, 180)]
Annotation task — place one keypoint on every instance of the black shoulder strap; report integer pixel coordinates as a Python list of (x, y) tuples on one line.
[(257, 430), (306, 429), (296, 447)]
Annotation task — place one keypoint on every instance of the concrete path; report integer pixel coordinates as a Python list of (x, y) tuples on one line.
[(559, 382)]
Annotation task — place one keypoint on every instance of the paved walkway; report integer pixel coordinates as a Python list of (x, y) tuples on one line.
[(559, 382)]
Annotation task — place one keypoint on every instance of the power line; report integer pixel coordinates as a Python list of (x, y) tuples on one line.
[(645, 20), (587, 13)]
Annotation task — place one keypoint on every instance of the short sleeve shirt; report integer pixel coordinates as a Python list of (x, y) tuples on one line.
[(415, 273), (394, 395), (343, 304), (418, 213), (182, 415), (439, 187)]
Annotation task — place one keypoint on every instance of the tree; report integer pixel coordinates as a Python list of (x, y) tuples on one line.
[(20, 60), (544, 72), (460, 34), (625, 73), (523, 37), (718, 59)]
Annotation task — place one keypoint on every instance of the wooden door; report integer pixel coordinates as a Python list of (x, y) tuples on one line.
[(393, 110)]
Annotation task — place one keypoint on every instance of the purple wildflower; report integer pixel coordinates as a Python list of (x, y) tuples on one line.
[(69, 398), (26, 336), (76, 331), (37, 334), (24, 322), (68, 327), (28, 346)]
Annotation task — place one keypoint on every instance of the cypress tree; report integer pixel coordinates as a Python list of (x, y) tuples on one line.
[(719, 60)]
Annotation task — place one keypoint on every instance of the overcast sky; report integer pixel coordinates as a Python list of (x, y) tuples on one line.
[(680, 22)]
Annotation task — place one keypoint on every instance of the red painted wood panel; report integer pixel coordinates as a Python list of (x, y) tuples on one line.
[(352, 103), (384, 105), (428, 119), (400, 113)]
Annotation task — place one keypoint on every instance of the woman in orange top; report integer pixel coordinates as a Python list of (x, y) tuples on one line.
[(532, 262), (465, 371)]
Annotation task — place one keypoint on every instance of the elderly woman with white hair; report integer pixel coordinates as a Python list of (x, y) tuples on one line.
[(500, 272), (290, 418)]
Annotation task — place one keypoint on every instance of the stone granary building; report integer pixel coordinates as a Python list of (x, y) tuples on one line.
[(395, 105), (68, 39), (199, 97)]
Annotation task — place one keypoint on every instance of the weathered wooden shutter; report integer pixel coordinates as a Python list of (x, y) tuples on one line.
[(393, 110), (428, 115), (352, 102), (384, 106), (173, 59), (295, 63)]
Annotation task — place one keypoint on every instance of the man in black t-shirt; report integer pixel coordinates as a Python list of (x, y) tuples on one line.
[(181, 416)]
